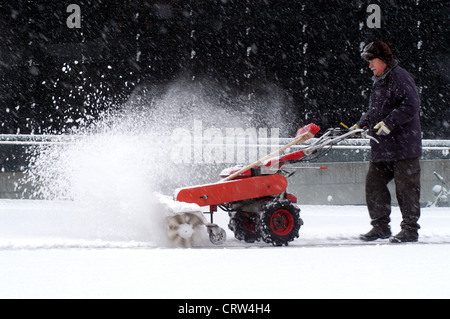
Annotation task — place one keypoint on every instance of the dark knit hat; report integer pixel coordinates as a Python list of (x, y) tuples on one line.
[(378, 49)]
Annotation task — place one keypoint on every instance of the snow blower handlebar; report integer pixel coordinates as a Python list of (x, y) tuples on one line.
[(329, 138), (334, 136), (303, 134)]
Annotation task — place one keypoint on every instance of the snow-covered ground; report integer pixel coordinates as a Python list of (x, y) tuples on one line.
[(64, 249)]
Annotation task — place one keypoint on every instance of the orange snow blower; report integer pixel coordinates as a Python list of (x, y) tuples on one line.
[(254, 196)]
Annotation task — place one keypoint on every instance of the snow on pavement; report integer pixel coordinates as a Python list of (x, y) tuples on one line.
[(58, 249)]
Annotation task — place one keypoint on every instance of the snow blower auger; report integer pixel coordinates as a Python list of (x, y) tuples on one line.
[(254, 196)]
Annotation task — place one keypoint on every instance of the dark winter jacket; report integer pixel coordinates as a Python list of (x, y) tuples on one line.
[(395, 101)]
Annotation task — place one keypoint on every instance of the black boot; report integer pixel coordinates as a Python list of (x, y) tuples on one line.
[(376, 233), (405, 236)]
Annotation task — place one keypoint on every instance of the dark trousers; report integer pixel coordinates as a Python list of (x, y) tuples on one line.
[(406, 175)]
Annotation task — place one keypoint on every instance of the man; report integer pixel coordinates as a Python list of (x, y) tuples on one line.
[(393, 116)]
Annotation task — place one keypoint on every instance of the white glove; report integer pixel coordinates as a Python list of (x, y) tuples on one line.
[(354, 127), (382, 129)]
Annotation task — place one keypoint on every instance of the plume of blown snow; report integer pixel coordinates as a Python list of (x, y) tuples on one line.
[(113, 167)]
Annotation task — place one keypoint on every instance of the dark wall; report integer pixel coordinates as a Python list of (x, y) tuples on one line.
[(54, 77)]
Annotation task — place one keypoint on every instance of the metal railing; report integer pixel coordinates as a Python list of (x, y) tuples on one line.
[(13, 148)]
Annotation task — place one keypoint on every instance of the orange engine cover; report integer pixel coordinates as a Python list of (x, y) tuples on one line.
[(232, 191)]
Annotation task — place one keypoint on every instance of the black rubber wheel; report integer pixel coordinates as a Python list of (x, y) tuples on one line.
[(244, 226), (279, 222)]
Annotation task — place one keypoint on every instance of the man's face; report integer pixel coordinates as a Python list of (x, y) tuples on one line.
[(377, 66)]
